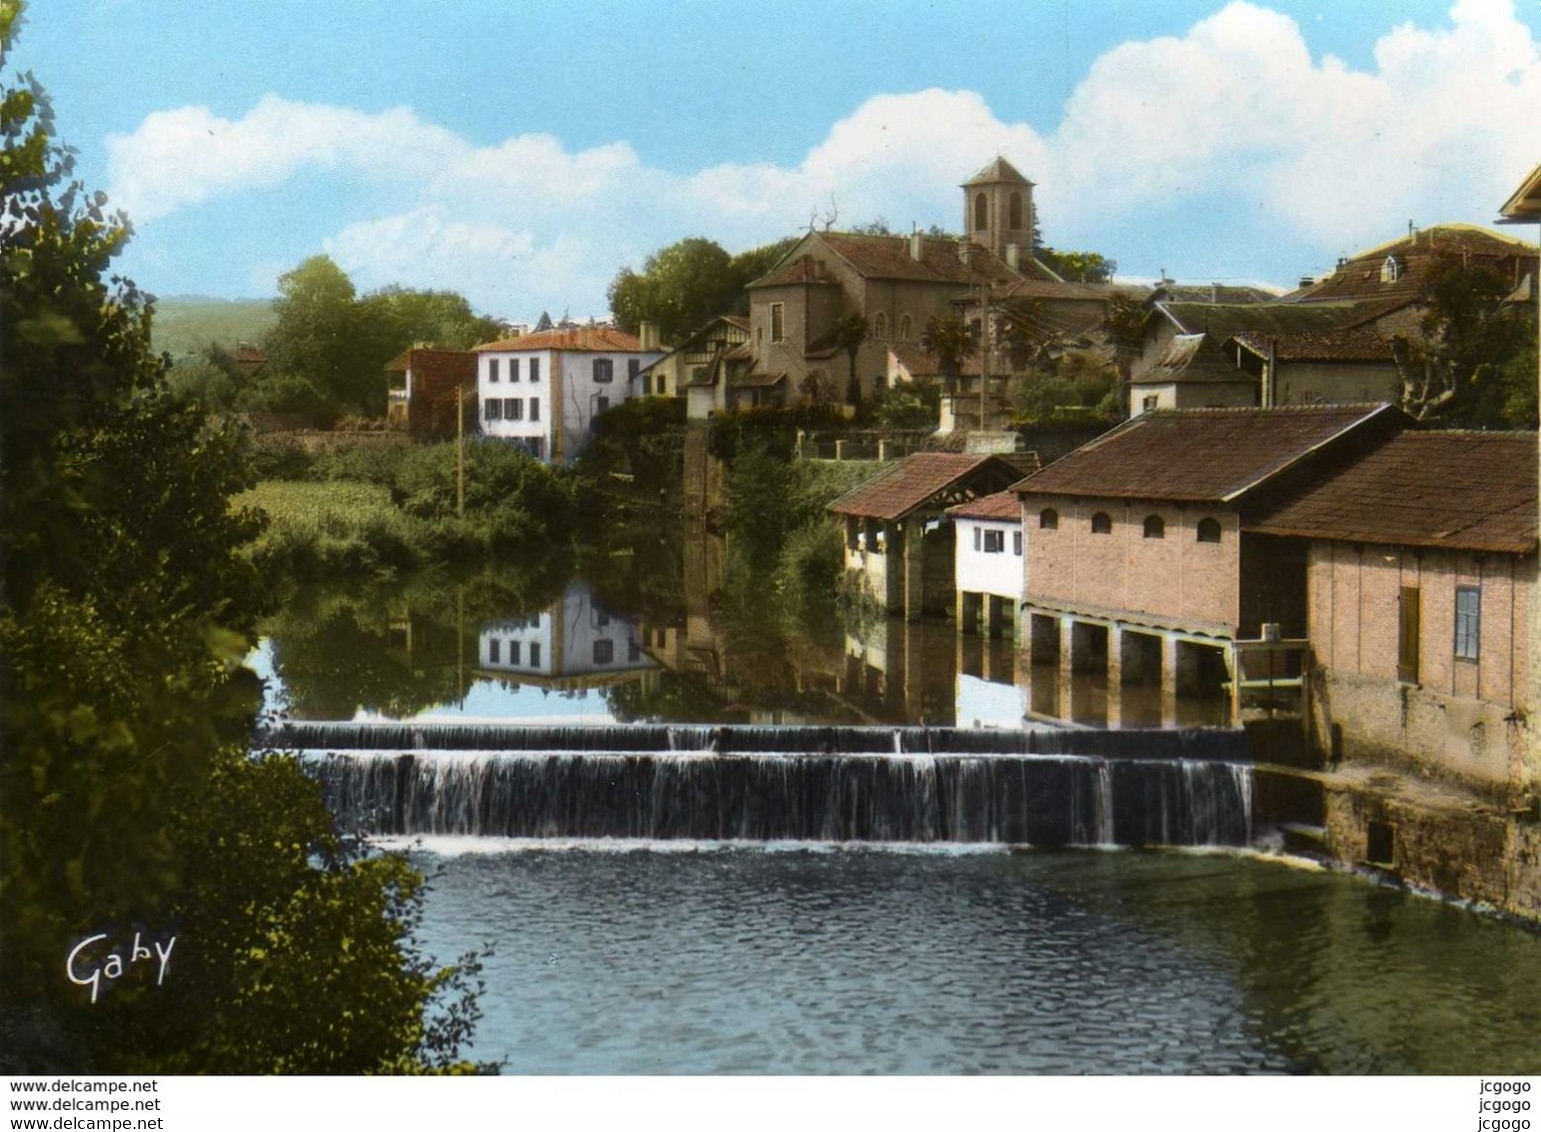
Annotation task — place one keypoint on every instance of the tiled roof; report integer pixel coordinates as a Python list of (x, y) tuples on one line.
[(996, 171), (1191, 357), (249, 355), (755, 380), (434, 366), (913, 481), (922, 363), (1465, 490), (1002, 505), (1359, 277), (598, 339), (739, 320), (1197, 455), (1359, 344), (888, 257), (1064, 289)]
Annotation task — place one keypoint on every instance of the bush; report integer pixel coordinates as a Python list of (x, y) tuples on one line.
[(808, 568)]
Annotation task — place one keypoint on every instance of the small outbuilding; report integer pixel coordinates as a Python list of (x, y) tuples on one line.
[(898, 542), (990, 572)]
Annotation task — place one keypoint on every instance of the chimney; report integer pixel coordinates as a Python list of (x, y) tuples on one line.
[(647, 333), (1306, 281), (917, 246), (1013, 256)]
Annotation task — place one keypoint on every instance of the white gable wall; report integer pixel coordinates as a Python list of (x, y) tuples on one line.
[(1002, 573)]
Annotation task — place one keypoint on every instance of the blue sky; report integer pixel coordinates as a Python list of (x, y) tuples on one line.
[(523, 153)]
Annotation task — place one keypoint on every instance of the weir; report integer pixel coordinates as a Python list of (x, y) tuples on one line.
[(1043, 788)]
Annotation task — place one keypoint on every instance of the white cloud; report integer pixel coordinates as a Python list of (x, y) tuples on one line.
[(1235, 116)]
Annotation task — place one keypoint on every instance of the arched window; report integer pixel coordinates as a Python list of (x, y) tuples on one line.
[(1209, 530), (904, 328), (1391, 270), (1155, 526), (880, 326), (1048, 519), (1016, 211), (1102, 523), (981, 212)]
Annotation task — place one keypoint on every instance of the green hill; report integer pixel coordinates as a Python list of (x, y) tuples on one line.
[(185, 324)]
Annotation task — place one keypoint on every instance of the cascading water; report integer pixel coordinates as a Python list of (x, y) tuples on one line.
[(781, 783)]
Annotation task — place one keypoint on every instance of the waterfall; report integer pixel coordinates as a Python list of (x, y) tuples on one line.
[(1026, 800)]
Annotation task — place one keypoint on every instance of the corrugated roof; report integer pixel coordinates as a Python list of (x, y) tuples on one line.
[(913, 481), (1197, 455), (596, 339), (1464, 490), (1004, 505)]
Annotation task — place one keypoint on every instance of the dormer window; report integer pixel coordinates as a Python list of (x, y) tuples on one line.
[(1391, 270)]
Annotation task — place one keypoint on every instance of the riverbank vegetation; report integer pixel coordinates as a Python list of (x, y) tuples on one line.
[(133, 809)]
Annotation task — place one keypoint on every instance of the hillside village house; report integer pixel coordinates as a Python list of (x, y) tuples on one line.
[(1140, 561), (542, 391), (421, 389), (898, 545), (990, 563), (702, 366), (896, 283), (1421, 563)]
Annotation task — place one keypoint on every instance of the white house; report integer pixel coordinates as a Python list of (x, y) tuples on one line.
[(572, 644), (989, 563), (543, 391)]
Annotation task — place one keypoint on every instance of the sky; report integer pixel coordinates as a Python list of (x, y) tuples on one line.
[(522, 154)]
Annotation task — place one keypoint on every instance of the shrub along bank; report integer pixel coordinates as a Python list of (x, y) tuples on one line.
[(371, 508)]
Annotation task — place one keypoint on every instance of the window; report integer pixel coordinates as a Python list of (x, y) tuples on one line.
[(1151, 403), (663, 386), (494, 651), (535, 408), (493, 409), (513, 369), (604, 371), (1102, 523), (647, 385), (1048, 519), (977, 543), (1409, 631), (981, 212), (1155, 526), (534, 654), (1209, 530), (604, 651), (1015, 209), (1468, 622), (1391, 270), (534, 369), (880, 326), (1016, 543), (492, 369), (995, 542), (600, 405), (513, 652), (778, 321), (513, 409)]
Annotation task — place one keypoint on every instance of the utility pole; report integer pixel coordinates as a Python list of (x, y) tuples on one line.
[(984, 353), (460, 451)]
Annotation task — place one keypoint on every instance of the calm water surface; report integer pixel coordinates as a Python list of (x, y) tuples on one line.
[(743, 960)]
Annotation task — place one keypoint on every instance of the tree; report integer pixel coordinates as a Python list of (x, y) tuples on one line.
[(850, 334), (317, 336), (130, 797), (1454, 370), (950, 340), (1078, 267), (679, 288)]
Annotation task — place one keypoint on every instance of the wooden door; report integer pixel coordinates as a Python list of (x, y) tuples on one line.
[(1408, 619)]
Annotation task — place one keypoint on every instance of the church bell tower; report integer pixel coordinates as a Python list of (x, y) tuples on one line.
[(998, 208)]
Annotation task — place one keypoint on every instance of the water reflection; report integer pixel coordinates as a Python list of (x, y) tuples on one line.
[(658, 634)]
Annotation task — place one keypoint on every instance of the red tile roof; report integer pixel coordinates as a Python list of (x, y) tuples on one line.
[(916, 480), (1198, 455), (1359, 277), (597, 339), (1004, 505), (1465, 490)]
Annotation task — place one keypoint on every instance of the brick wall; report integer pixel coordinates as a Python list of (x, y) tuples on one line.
[(1174, 578), (1460, 718)]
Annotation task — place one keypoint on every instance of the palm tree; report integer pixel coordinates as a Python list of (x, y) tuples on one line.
[(849, 335), (949, 339)]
